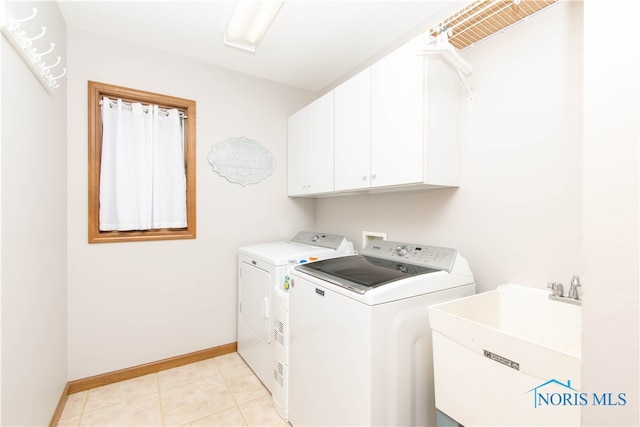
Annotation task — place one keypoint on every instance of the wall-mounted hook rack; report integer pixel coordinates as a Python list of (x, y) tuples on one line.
[(24, 41)]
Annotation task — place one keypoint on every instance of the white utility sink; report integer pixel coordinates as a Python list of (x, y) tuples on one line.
[(508, 357)]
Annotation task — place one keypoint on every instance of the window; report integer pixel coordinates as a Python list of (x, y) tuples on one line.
[(187, 110)]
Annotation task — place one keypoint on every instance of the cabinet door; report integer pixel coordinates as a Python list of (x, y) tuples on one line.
[(320, 126), (397, 96), (297, 153), (353, 132)]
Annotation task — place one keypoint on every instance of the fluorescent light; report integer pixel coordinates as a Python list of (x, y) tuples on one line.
[(250, 22)]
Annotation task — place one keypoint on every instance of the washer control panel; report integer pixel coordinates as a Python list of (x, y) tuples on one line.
[(411, 253)]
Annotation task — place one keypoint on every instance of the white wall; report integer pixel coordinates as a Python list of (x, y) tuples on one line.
[(611, 214), (33, 231), (517, 215), (133, 303)]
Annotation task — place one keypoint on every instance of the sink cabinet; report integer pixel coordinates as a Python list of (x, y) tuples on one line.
[(505, 357), (393, 126)]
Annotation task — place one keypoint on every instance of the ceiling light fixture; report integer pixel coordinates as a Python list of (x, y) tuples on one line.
[(250, 22)]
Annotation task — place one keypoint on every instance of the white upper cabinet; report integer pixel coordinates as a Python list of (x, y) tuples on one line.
[(321, 129), (353, 133), (310, 152), (397, 99), (396, 127), (297, 153)]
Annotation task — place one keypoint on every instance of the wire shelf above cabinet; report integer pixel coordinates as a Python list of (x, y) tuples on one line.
[(484, 18)]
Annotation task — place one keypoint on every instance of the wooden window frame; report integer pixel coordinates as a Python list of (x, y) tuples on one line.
[(96, 92)]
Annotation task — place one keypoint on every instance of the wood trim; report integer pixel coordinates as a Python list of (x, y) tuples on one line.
[(137, 371), (148, 368), (98, 90), (61, 403)]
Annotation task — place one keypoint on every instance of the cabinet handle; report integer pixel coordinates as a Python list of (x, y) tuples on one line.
[(374, 175), (364, 177)]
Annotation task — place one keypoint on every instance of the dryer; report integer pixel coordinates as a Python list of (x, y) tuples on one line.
[(360, 341), (260, 268)]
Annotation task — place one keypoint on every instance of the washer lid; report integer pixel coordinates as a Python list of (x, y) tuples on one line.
[(362, 273)]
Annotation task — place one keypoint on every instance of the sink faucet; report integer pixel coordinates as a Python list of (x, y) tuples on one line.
[(556, 289), (575, 291), (575, 288)]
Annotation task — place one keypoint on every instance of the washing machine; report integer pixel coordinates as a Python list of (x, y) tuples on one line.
[(359, 339), (260, 268)]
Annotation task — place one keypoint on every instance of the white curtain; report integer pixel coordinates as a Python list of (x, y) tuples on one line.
[(142, 175)]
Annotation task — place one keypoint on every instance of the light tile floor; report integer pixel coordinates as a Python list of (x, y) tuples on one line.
[(222, 391)]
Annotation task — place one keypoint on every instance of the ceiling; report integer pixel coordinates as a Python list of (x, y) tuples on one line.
[(310, 45)]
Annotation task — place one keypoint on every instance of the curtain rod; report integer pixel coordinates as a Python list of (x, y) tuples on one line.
[(129, 105)]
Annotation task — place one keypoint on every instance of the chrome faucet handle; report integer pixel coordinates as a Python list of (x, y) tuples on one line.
[(574, 289), (556, 288)]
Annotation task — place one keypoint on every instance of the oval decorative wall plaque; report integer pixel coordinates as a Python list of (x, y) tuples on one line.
[(242, 161)]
